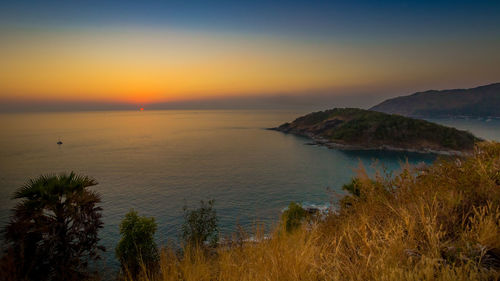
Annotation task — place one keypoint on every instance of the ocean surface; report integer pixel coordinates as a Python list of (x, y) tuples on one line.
[(158, 161)]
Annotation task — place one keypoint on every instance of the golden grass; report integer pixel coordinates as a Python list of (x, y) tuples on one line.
[(441, 222)]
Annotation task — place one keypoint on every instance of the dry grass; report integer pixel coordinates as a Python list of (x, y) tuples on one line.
[(438, 223)]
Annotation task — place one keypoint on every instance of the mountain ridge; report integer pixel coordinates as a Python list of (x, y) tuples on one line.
[(481, 101)]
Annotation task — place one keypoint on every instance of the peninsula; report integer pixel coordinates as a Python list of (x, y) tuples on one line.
[(358, 129)]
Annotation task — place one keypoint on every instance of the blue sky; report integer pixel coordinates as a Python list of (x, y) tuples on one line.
[(322, 18)]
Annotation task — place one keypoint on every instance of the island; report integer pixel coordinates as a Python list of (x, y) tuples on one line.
[(359, 129), (483, 102)]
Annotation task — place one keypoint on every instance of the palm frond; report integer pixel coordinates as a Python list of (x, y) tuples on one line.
[(46, 186), (33, 187)]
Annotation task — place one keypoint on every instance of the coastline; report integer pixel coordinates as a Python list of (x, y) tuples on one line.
[(341, 146)]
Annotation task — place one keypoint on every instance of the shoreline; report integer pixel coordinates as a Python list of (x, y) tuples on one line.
[(350, 147)]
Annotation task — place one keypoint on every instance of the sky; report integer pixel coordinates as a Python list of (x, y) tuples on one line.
[(100, 54)]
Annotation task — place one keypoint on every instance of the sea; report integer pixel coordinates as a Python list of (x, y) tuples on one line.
[(157, 162)]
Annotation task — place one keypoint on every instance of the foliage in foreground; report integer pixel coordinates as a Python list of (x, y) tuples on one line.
[(441, 222), (293, 216), (52, 234), (200, 225), (137, 249)]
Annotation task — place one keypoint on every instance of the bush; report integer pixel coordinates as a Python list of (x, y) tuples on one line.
[(293, 216), (137, 247), (200, 225)]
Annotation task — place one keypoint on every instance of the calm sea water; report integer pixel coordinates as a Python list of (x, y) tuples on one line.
[(157, 161)]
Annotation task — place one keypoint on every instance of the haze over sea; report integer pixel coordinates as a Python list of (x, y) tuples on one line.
[(158, 161)]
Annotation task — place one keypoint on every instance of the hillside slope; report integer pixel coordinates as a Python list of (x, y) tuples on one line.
[(353, 128), (481, 101), (441, 222)]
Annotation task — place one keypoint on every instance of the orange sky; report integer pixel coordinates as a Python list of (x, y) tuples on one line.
[(150, 65)]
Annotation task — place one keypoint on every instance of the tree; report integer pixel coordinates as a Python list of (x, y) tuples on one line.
[(293, 216), (53, 232), (137, 247), (200, 225)]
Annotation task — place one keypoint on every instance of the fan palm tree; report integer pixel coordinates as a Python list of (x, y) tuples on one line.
[(53, 232)]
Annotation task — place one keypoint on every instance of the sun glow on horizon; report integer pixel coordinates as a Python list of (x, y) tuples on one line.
[(145, 66)]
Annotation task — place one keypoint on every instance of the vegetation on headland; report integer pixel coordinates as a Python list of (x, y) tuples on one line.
[(137, 250), (440, 222), (353, 128), (200, 225)]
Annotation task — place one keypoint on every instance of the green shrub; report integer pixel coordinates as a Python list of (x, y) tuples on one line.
[(353, 187), (137, 247), (200, 225), (293, 216)]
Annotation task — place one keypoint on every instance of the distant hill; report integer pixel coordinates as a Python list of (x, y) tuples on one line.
[(482, 101), (352, 128)]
